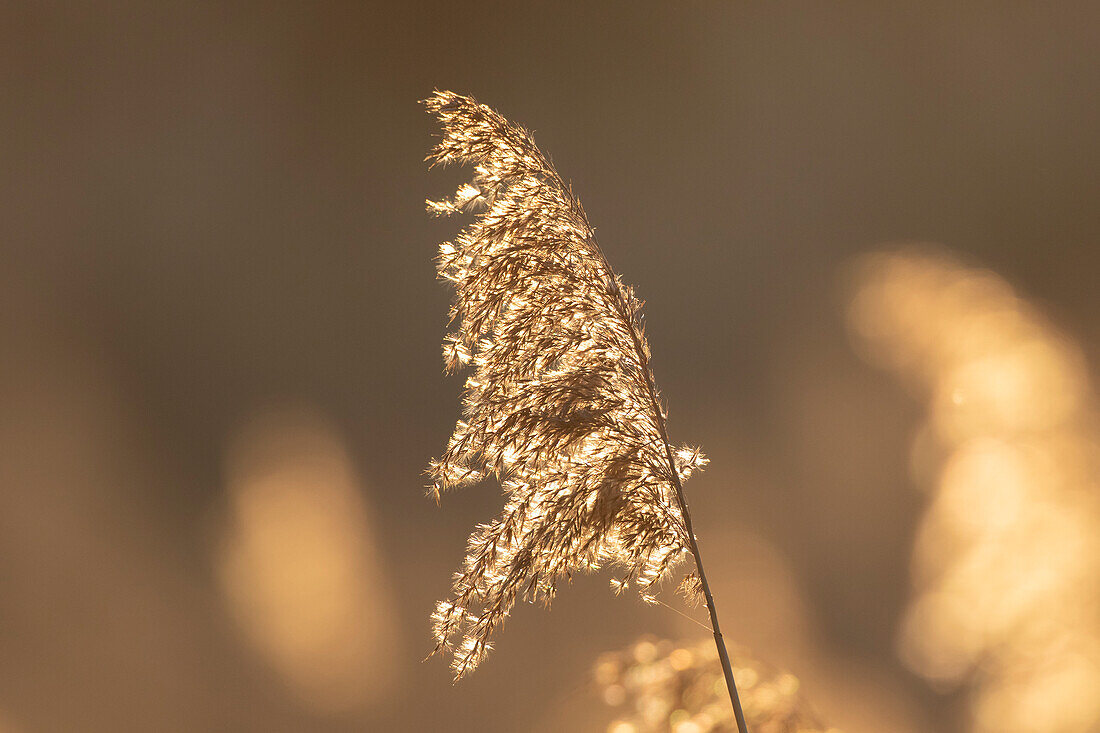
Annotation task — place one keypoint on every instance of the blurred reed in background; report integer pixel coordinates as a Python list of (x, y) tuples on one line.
[(1006, 567), (657, 685), (298, 565)]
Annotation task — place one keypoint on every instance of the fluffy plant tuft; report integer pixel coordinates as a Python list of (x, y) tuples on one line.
[(560, 406)]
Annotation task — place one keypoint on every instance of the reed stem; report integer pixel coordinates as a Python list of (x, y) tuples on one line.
[(723, 655), (727, 670)]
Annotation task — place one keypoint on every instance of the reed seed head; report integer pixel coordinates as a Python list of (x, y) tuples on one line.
[(559, 406), (657, 686)]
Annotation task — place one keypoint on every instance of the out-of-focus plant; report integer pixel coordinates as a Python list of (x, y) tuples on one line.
[(657, 686), (561, 406), (1006, 568), (298, 563)]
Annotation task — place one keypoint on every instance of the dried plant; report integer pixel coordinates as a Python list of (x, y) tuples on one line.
[(561, 406), (1006, 566), (656, 685)]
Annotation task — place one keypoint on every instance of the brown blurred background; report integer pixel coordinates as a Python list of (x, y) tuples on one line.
[(219, 328)]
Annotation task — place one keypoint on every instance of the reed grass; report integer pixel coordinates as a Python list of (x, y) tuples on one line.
[(560, 406)]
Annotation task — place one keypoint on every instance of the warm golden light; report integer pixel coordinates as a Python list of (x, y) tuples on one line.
[(664, 686), (559, 406), (1006, 567), (298, 565)]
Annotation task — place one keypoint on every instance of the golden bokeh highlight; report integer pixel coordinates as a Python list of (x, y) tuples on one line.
[(298, 564), (662, 686), (1006, 565)]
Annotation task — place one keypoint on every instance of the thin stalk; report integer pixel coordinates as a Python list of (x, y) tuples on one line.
[(634, 328), (727, 669)]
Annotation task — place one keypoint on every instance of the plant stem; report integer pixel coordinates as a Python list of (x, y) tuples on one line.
[(634, 328), (727, 669)]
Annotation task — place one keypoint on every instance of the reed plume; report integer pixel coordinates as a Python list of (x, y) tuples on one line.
[(657, 686), (560, 407), (1006, 561)]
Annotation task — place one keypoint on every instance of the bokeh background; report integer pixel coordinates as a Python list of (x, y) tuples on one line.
[(220, 374)]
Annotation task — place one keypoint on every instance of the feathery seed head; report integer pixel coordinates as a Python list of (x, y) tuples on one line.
[(560, 406), (659, 686)]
